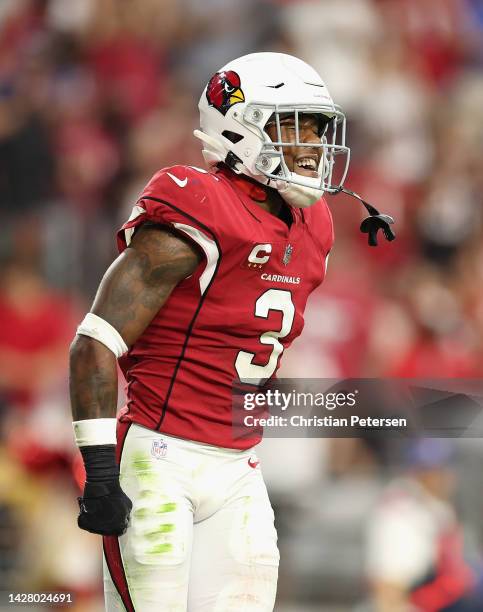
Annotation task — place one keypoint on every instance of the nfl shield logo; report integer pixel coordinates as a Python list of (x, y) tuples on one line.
[(287, 255), (159, 449)]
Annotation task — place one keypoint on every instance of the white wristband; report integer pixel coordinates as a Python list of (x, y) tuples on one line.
[(93, 432), (99, 329)]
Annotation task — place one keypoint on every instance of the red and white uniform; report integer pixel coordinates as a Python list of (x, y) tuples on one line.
[(233, 318), (202, 535)]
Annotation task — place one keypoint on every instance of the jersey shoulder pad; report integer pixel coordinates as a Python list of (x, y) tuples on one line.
[(178, 196), (181, 183)]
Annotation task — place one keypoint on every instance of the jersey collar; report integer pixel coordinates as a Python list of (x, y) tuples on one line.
[(255, 191)]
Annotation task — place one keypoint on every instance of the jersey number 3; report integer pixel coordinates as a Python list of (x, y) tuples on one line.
[(273, 299)]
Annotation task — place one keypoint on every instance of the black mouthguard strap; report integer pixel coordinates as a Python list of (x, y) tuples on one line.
[(375, 222)]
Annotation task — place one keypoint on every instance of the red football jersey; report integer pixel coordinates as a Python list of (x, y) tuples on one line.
[(233, 318)]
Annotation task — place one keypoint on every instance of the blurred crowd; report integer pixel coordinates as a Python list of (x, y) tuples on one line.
[(96, 95)]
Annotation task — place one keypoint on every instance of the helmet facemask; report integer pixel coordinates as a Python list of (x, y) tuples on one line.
[(297, 189)]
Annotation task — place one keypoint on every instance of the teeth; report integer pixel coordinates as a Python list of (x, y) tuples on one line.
[(307, 163)]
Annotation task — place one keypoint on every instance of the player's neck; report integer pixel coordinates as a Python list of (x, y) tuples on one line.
[(277, 206), (273, 202)]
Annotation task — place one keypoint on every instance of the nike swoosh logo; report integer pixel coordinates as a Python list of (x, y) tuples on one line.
[(179, 182), (253, 464)]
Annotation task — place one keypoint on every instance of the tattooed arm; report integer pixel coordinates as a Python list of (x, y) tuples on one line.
[(132, 291)]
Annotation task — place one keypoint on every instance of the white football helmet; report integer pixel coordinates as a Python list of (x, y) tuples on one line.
[(239, 101)]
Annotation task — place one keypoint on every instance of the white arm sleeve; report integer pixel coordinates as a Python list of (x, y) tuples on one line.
[(93, 432), (99, 329)]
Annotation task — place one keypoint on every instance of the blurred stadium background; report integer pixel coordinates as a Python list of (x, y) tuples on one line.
[(95, 96)]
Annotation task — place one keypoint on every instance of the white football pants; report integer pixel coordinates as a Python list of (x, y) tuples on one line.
[(201, 536)]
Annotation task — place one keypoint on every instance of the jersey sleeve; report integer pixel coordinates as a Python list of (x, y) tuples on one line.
[(177, 197)]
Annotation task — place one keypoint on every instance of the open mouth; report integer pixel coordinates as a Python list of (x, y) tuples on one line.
[(306, 165)]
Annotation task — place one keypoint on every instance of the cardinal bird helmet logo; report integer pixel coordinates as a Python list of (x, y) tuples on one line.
[(223, 90)]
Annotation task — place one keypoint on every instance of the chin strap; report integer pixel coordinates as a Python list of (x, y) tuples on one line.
[(375, 222)]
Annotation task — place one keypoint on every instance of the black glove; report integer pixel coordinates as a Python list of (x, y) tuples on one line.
[(104, 507)]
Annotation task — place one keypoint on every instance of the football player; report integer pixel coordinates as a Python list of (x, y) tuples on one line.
[(210, 288)]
